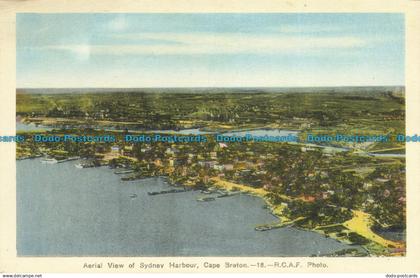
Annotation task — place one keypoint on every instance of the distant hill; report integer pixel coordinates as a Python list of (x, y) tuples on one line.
[(397, 91)]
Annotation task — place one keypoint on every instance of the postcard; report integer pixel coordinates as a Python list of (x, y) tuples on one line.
[(214, 137)]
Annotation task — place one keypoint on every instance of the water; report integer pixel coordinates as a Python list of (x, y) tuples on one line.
[(65, 211), (263, 132), (30, 127), (393, 235), (189, 131), (396, 155), (253, 132)]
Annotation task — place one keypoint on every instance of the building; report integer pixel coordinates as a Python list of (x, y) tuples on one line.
[(228, 167)]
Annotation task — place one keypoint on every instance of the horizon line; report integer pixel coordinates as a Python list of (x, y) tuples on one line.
[(217, 87)]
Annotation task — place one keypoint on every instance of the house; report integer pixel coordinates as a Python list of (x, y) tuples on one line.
[(171, 151), (147, 149), (209, 164), (267, 186), (184, 171), (218, 167), (206, 179), (128, 150), (228, 167), (382, 180), (304, 149), (307, 198), (325, 195)]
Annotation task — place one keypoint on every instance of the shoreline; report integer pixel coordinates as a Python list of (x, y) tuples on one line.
[(360, 223)]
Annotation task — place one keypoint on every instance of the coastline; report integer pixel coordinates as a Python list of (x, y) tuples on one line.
[(360, 223)]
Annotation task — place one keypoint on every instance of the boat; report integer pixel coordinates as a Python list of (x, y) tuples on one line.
[(131, 177), (263, 228), (84, 165), (132, 196), (206, 199), (49, 160), (123, 172), (68, 159)]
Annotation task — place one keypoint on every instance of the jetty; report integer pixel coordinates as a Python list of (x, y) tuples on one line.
[(267, 227), (206, 199), (49, 161), (228, 194), (121, 172), (166, 192)]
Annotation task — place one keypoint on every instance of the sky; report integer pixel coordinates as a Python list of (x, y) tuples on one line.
[(209, 50)]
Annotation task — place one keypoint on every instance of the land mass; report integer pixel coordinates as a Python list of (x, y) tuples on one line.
[(346, 195)]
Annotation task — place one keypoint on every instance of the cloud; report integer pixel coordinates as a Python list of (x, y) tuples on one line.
[(82, 51), (209, 43), (306, 28)]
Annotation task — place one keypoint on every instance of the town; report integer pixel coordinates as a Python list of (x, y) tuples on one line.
[(344, 191)]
